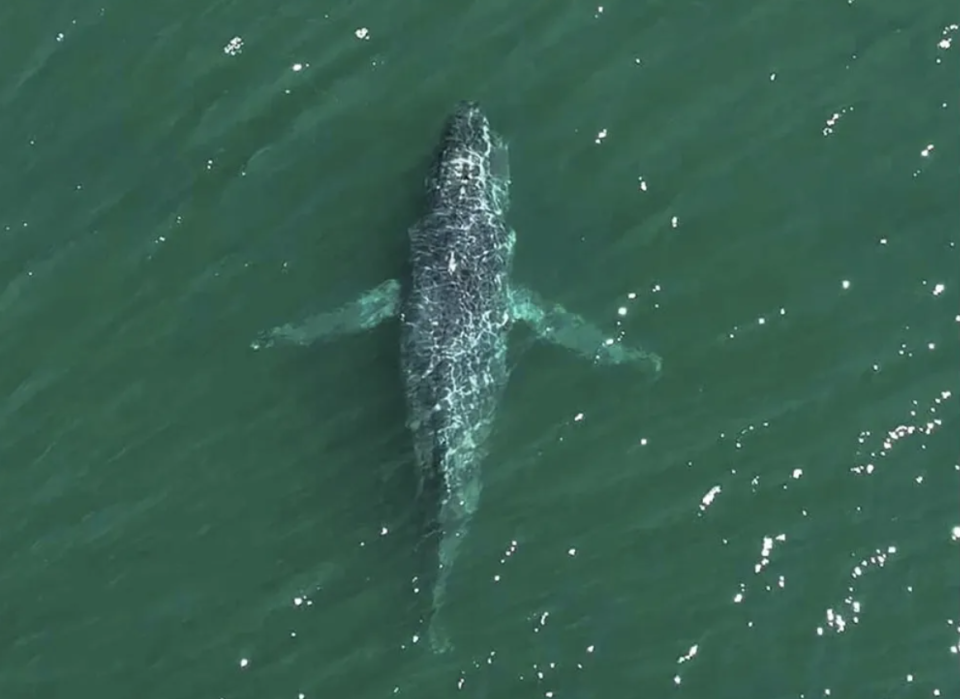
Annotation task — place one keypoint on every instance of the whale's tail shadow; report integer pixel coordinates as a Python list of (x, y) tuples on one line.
[(451, 534), (443, 524)]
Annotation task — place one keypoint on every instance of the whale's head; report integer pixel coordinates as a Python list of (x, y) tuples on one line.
[(471, 164)]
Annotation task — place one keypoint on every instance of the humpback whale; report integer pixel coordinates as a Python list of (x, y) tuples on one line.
[(455, 311)]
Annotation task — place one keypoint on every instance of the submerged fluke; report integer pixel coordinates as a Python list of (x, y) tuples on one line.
[(437, 634)]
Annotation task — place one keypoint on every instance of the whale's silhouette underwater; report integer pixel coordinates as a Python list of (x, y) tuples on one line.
[(455, 313)]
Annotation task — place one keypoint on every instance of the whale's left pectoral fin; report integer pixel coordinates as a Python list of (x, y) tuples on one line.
[(554, 323), (363, 313)]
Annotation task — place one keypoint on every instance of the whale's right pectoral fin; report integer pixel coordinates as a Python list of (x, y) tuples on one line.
[(368, 311), (554, 323)]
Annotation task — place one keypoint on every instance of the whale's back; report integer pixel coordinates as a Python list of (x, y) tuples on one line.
[(454, 322)]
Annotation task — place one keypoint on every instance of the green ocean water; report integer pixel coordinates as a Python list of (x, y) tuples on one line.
[(765, 193)]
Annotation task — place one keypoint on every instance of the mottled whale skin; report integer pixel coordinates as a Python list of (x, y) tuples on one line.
[(455, 312)]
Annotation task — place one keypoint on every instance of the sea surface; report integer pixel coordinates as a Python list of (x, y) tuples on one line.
[(766, 194)]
